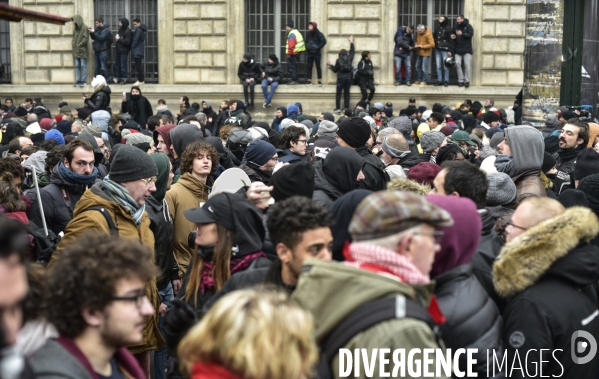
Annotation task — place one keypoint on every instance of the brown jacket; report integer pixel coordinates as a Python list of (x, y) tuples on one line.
[(427, 42), (529, 185), (186, 194), (84, 221)]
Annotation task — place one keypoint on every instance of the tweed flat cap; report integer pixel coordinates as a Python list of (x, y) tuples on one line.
[(389, 212)]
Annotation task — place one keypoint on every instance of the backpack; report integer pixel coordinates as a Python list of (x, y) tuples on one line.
[(355, 74), (364, 317), (345, 63)]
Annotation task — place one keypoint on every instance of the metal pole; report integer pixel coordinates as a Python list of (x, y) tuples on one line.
[(39, 200)]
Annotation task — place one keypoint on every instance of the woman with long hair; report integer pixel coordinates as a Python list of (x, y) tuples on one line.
[(251, 334)]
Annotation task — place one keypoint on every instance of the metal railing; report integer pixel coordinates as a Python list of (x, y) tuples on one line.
[(112, 10)]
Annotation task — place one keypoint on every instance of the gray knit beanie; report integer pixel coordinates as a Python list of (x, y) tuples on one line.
[(502, 190), (135, 138), (93, 130), (327, 128), (431, 140), (130, 164), (496, 139)]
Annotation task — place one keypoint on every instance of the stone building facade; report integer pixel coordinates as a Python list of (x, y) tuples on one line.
[(202, 41)]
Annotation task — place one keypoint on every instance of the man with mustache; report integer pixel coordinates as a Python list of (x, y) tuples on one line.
[(573, 139)]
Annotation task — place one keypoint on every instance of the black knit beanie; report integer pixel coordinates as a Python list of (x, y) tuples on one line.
[(354, 131), (587, 163), (293, 180)]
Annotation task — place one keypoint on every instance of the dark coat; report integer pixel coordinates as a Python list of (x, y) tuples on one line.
[(247, 70), (57, 212), (161, 224), (100, 37), (123, 45), (100, 100), (336, 175), (210, 118), (463, 43), (337, 67), (274, 71), (442, 36), (374, 171), (410, 161), (315, 41), (473, 320), (139, 109), (564, 163), (547, 274), (365, 71), (138, 44), (254, 173), (403, 43)]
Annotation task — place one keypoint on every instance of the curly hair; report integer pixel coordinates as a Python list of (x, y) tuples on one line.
[(12, 166), (86, 276), (226, 130), (49, 144), (10, 198), (290, 218), (54, 157), (191, 152), (291, 133)]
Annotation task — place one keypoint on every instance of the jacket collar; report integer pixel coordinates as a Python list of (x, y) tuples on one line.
[(523, 261)]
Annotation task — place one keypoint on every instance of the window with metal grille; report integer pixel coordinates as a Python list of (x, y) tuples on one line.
[(5, 72), (427, 12), (265, 22), (112, 10)]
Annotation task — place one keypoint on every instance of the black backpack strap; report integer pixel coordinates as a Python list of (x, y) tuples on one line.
[(364, 317), (113, 229)]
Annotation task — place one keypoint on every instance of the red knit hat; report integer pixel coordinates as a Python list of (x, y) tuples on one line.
[(424, 173)]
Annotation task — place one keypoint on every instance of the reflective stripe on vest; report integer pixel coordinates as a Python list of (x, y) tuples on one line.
[(299, 42)]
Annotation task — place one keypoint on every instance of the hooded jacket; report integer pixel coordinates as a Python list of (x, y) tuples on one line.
[(85, 221), (374, 171), (336, 175), (463, 43), (342, 211), (315, 41), (98, 154), (276, 122), (274, 71), (138, 41), (100, 99), (183, 135), (161, 224), (365, 71), (123, 45), (547, 275), (403, 43), (138, 107), (80, 38), (331, 291), (163, 131), (57, 211), (443, 33), (210, 116), (186, 194), (472, 318), (248, 70), (527, 146), (427, 42)]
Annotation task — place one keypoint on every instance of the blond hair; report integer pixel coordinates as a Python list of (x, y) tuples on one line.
[(404, 184), (541, 209), (253, 333)]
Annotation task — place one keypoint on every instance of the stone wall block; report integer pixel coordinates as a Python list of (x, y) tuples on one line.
[(220, 27), (199, 59), (496, 12), (345, 11), (219, 60), (180, 28), (509, 29), (334, 28), (199, 27), (36, 44), (213, 76), (495, 45), (30, 60), (493, 78), (213, 44), (369, 12), (355, 28), (191, 11), (516, 45), (515, 78), (518, 13), (187, 43), (488, 61), (187, 76), (374, 28), (213, 11), (180, 60), (29, 28), (50, 60), (44, 29), (508, 62), (61, 44), (37, 76), (63, 75), (66, 10)]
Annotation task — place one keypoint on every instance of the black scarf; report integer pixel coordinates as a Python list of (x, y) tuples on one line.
[(570, 154)]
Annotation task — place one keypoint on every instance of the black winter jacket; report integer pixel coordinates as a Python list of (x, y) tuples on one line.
[(472, 318), (140, 109), (336, 175), (123, 45), (374, 171), (58, 212), (548, 275), (255, 174), (138, 43), (442, 35), (161, 224), (274, 71), (365, 71), (403, 43), (100, 101), (337, 67), (315, 41), (100, 37), (463, 43), (249, 70), (565, 163)]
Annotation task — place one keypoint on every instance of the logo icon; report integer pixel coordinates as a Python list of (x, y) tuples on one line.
[(579, 347)]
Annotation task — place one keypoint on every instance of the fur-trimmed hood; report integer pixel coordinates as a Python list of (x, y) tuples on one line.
[(523, 261)]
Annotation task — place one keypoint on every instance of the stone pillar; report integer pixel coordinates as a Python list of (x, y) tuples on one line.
[(200, 41), (46, 49), (166, 51), (502, 43)]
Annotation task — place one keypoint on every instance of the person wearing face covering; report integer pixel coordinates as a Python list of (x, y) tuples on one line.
[(259, 161), (339, 173), (137, 106)]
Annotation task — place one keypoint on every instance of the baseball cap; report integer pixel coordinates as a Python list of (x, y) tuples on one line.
[(460, 135), (385, 213), (216, 209)]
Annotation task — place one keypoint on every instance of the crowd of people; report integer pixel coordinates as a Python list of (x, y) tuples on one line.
[(230, 248)]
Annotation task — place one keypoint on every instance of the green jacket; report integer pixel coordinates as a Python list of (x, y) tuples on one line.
[(80, 37), (331, 291)]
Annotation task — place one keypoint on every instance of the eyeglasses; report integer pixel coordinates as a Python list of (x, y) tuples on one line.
[(148, 182), (515, 226), (436, 236), (137, 299), (302, 140)]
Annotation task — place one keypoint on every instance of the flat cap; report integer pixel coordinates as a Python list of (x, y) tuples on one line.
[(386, 213)]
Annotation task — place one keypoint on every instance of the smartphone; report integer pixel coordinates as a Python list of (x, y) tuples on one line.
[(124, 94)]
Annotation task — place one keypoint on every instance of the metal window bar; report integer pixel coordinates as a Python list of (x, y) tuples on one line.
[(5, 67), (427, 12), (112, 10), (265, 34)]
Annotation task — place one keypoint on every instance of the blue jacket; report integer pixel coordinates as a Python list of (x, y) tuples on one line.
[(138, 43), (100, 37)]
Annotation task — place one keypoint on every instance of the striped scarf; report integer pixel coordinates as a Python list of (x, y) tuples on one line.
[(121, 196)]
